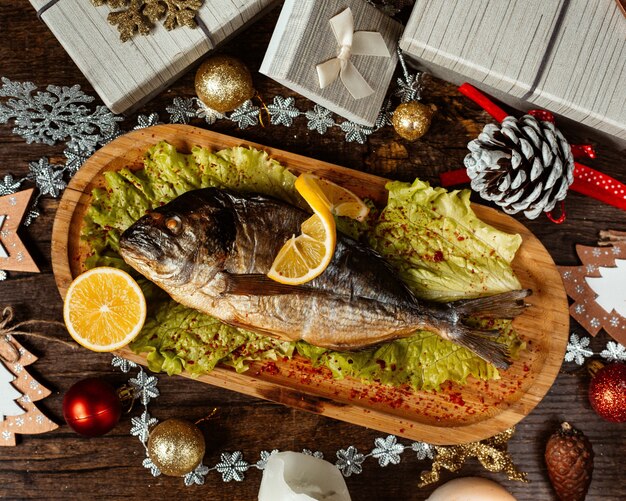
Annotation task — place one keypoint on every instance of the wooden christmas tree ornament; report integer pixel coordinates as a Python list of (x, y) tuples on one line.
[(13, 253), (597, 286), (18, 391)]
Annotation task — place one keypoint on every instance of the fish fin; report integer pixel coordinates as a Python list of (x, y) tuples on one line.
[(257, 284), (505, 305), (482, 344)]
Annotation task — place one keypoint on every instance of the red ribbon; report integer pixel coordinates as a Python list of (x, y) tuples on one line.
[(587, 181)]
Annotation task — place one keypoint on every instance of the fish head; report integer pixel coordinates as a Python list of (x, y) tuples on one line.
[(183, 242)]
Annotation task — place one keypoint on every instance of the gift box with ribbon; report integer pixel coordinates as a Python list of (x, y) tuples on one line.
[(340, 54), (125, 74), (566, 56)]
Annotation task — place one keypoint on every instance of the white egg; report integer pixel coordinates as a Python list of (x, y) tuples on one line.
[(471, 489), (293, 476)]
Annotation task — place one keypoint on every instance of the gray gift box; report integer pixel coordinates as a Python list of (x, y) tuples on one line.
[(566, 56), (304, 38), (126, 75)]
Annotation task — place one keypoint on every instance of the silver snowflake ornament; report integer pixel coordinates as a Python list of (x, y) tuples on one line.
[(356, 132), (409, 88), (282, 111), (109, 135), (209, 115), (349, 461), (247, 115), (31, 215), (8, 185), (140, 426), (265, 455), (154, 469), (577, 349), (196, 476), (144, 121), (423, 450), (47, 177), (384, 117), (85, 143), (3, 275), (181, 110), (614, 352), (232, 466), (316, 454), (319, 119), (387, 450), (76, 156), (58, 114), (123, 364), (145, 386)]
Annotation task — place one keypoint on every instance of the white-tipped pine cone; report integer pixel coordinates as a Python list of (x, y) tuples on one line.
[(521, 165)]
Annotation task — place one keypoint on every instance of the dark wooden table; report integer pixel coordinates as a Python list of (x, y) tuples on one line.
[(62, 465)]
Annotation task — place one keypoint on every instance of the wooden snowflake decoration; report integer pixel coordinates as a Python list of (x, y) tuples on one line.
[(597, 286), (139, 16)]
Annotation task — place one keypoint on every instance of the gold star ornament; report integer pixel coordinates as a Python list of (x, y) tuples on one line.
[(13, 253)]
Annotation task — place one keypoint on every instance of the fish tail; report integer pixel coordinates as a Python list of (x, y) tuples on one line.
[(481, 343), (506, 305)]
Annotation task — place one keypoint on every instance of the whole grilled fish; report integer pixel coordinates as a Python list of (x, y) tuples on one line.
[(210, 249)]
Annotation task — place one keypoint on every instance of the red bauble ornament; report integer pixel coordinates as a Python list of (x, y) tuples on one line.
[(92, 407), (607, 392)]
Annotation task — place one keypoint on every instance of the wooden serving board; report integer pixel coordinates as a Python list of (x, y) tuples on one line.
[(455, 414)]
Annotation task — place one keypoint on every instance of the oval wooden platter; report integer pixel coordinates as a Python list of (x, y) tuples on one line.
[(455, 414)]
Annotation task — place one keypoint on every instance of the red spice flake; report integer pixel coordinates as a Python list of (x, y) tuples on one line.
[(460, 238), (381, 363), (526, 368), (456, 398), (271, 368), (438, 257)]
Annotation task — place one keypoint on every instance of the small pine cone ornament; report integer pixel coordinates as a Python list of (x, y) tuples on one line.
[(523, 165), (569, 458)]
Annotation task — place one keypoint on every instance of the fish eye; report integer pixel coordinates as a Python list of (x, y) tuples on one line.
[(174, 225)]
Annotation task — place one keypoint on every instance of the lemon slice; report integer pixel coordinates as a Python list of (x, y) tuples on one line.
[(104, 309), (307, 255), (339, 200)]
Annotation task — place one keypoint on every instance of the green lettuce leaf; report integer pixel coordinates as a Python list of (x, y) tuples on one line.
[(439, 246), (432, 238)]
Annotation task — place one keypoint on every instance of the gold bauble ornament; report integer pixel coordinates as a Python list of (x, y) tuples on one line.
[(223, 83), (411, 120), (176, 447)]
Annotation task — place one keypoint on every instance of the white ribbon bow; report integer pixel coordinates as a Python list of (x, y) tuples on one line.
[(360, 43)]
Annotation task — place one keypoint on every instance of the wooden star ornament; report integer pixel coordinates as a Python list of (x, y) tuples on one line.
[(13, 253)]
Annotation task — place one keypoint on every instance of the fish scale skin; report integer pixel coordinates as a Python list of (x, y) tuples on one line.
[(356, 302)]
